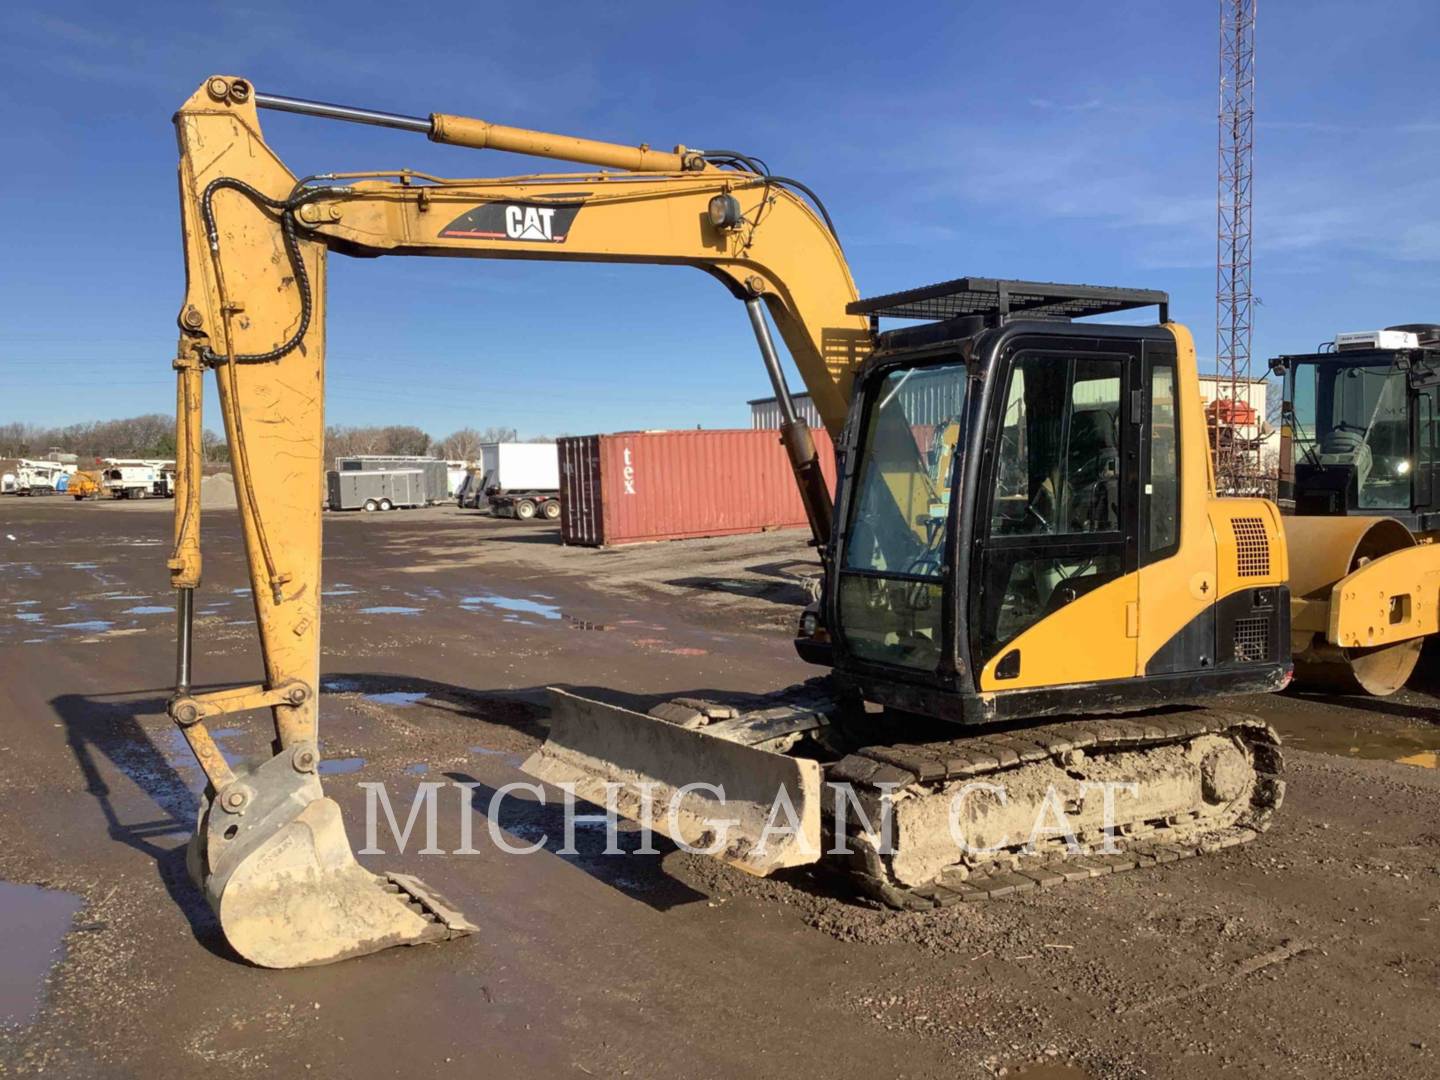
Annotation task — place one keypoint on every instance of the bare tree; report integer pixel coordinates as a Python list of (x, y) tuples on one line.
[(403, 440), (151, 436), (462, 445), (213, 448)]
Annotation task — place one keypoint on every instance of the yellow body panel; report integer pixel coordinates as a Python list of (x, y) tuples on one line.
[(1361, 582), (1250, 545), (1389, 599), (1083, 642)]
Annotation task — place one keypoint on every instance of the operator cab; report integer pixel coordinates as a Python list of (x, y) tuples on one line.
[(1358, 432), (998, 463)]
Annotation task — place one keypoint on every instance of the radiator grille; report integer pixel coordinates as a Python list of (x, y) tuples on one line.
[(1252, 547), (1252, 640)]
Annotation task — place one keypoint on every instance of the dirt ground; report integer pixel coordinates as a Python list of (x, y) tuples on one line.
[(1311, 952)]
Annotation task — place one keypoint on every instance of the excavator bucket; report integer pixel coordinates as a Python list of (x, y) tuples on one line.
[(271, 855), (750, 807)]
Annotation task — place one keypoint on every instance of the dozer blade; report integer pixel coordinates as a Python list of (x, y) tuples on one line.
[(673, 778), (270, 852)]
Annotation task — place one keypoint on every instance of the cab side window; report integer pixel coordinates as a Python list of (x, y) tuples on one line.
[(1161, 503)]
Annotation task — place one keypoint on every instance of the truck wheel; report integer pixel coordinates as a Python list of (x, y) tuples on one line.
[(386, 504), (525, 509), (141, 493), (371, 506), (551, 510)]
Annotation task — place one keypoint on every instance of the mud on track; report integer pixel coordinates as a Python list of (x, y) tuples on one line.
[(1310, 952)]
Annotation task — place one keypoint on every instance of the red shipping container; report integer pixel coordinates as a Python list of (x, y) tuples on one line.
[(674, 485)]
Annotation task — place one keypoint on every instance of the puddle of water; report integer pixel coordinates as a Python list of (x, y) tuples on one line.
[(149, 609), (33, 924), (29, 616), (417, 769), (24, 603), (178, 754), (88, 625), (1419, 746), (506, 756), (339, 686), (386, 609), (83, 565), (396, 697), (338, 592), (340, 766), (241, 592), (123, 596), (511, 603)]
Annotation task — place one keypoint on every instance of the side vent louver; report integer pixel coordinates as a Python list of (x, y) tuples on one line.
[(1252, 547)]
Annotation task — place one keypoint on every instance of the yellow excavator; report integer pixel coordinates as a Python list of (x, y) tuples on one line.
[(1026, 567)]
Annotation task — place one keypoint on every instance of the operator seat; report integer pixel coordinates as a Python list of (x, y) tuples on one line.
[(1093, 464)]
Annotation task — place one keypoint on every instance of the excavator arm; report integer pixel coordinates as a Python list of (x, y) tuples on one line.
[(270, 850)]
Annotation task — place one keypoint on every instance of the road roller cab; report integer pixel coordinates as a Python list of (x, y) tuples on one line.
[(1359, 432), (1360, 485)]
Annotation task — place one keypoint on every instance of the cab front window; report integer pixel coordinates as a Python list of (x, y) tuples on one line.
[(891, 577), (1356, 416)]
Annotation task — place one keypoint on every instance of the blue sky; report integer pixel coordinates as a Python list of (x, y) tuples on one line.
[(1056, 141)]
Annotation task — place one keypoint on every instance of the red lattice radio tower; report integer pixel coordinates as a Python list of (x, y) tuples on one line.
[(1236, 456)]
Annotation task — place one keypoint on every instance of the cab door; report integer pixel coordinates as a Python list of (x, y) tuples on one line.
[(1054, 590)]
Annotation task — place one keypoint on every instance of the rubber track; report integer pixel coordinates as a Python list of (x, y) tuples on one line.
[(989, 755)]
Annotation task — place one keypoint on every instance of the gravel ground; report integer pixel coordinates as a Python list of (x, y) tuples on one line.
[(1309, 953)]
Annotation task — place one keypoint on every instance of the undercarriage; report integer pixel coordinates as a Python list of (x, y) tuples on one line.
[(942, 819)]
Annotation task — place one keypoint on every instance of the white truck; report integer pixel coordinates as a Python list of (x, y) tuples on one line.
[(519, 480), (138, 478), (40, 477)]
